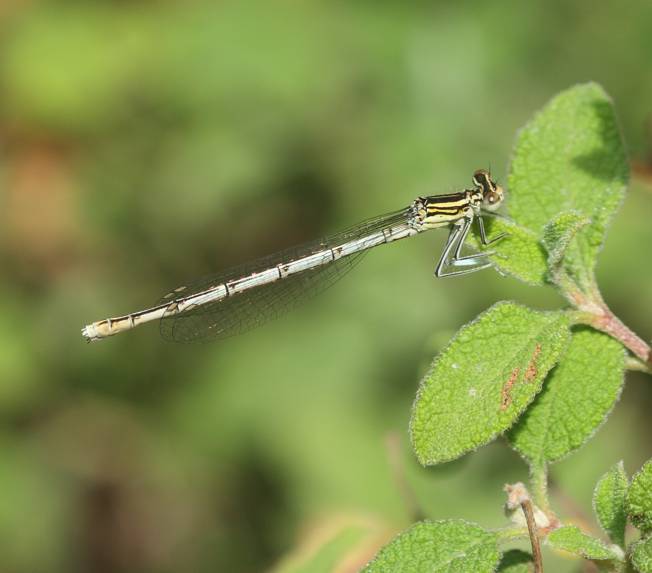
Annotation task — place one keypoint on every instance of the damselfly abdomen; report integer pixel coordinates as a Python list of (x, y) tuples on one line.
[(244, 297)]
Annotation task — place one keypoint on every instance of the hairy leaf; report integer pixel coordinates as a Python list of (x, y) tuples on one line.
[(515, 561), (609, 503), (575, 400), (570, 538), (641, 552), (639, 498), (480, 384), (453, 546), (570, 156), (520, 254), (558, 235)]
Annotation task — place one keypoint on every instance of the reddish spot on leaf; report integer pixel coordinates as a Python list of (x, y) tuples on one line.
[(506, 392), (531, 372)]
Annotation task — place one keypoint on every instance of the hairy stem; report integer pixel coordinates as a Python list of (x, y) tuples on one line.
[(594, 312), (613, 326), (539, 487)]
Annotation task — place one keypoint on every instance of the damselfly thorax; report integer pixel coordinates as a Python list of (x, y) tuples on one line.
[(241, 298)]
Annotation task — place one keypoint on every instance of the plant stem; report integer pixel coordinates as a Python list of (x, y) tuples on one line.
[(595, 312), (613, 326), (539, 487), (632, 363), (526, 505)]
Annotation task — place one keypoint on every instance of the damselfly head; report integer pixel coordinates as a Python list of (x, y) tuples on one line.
[(492, 193)]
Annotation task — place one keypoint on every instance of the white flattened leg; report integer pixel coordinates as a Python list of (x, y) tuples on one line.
[(464, 264)]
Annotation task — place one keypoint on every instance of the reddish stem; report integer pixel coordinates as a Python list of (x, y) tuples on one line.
[(597, 314), (526, 506), (613, 326)]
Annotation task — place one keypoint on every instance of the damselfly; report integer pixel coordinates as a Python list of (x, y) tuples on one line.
[(244, 297)]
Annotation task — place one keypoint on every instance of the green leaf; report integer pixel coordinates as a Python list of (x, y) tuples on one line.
[(639, 498), (453, 546), (609, 503), (641, 552), (520, 254), (480, 384), (515, 561), (570, 156), (557, 237), (575, 399), (570, 538)]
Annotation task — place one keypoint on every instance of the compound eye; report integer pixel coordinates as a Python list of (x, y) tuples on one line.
[(480, 178), (494, 198)]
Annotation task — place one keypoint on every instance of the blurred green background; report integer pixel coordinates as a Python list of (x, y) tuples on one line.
[(147, 143)]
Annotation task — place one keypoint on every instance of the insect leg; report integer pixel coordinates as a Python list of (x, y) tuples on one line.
[(483, 234), (464, 264)]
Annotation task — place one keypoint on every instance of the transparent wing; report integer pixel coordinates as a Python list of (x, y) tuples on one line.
[(246, 310)]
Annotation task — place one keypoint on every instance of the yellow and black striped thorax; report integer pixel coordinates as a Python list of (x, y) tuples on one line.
[(440, 210)]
